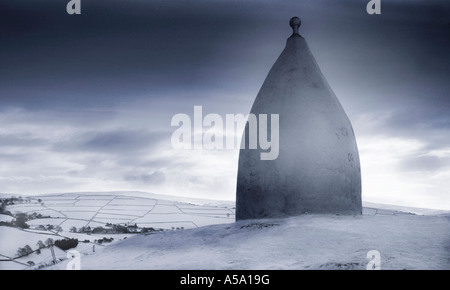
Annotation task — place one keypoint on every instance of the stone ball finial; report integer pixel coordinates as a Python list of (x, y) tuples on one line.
[(295, 23)]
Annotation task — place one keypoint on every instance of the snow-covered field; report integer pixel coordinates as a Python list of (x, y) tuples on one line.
[(98, 209), (407, 238), (13, 238), (5, 218), (405, 241), (82, 209)]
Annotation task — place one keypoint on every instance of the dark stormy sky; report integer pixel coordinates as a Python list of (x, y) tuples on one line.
[(86, 100)]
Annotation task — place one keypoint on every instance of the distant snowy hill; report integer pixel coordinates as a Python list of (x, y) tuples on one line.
[(142, 194), (414, 210)]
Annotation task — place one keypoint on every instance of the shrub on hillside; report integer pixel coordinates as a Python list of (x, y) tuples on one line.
[(21, 219), (66, 244)]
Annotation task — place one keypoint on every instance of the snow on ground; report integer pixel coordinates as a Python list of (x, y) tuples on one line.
[(26, 208), (133, 201), (135, 208), (414, 210), (172, 218), (127, 212), (114, 220), (148, 195), (7, 265), (19, 238), (45, 221), (21, 263), (303, 242), (100, 208), (90, 202), (168, 225), (407, 238), (44, 257), (97, 209), (86, 215), (67, 224), (6, 218), (13, 238)]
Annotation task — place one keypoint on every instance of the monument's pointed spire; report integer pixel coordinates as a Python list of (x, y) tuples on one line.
[(317, 169)]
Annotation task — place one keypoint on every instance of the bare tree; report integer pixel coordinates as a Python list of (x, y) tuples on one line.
[(40, 244), (49, 242), (24, 251), (28, 249)]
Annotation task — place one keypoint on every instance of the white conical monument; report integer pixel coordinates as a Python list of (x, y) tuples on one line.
[(317, 169)]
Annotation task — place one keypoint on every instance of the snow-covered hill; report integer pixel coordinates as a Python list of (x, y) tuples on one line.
[(64, 215), (407, 238), (405, 241)]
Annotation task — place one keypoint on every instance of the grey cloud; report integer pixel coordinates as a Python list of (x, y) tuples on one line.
[(73, 118), (14, 158), (115, 142), (424, 163), (136, 161), (155, 178), (415, 118), (114, 52), (122, 141), (21, 140)]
